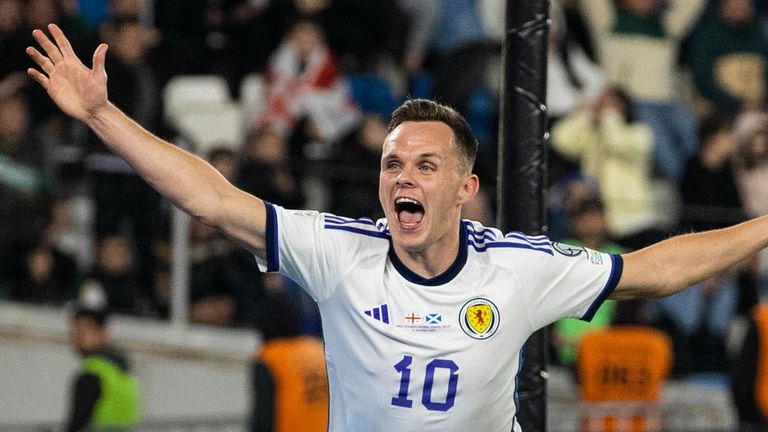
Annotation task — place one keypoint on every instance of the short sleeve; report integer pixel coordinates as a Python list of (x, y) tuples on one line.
[(300, 246), (571, 281)]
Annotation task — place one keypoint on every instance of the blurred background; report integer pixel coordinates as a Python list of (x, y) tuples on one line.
[(658, 127)]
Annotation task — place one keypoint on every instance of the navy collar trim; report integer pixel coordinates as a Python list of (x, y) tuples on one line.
[(441, 279)]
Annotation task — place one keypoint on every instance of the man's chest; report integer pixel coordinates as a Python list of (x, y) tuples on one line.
[(471, 312)]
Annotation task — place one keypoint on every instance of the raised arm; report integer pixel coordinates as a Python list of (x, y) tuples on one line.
[(674, 264), (185, 179)]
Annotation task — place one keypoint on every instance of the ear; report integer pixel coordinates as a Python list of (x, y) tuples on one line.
[(468, 189)]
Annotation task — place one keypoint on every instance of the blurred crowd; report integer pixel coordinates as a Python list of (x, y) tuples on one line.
[(657, 113)]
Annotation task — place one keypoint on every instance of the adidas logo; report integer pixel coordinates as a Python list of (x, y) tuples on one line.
[(380, 313)]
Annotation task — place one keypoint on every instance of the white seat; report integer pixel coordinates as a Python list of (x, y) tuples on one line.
[(201, 109), (252, 96), (189, 91), (218, 125)]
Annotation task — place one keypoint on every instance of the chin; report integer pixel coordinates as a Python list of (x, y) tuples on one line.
[(410, 239)]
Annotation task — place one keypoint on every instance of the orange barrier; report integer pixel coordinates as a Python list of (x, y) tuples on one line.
[(621, 373)]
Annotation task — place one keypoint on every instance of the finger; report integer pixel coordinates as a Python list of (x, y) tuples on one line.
[(61, 40), (98, 59), (39, 77), (44, 62), (52, 50)]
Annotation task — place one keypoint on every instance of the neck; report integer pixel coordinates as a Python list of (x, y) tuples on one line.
[(433, 260)]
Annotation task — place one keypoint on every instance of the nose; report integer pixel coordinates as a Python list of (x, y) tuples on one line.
[(404, 178)]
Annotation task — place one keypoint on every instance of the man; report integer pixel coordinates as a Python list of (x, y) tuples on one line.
[(105, 394), (424, 315), (288, 395), (589, 228)]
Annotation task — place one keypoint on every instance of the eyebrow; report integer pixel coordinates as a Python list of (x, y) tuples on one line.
[(430, 155), (421, 157)]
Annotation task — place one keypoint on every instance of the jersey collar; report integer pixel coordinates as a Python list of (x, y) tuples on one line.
[(440, 279)]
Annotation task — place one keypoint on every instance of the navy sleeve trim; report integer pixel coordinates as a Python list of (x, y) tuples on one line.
[(273, 253), (610, 285)]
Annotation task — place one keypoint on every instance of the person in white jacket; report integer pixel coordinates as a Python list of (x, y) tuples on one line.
[(637, 44), (616, 151)]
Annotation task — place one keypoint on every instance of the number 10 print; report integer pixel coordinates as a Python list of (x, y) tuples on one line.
[(403, 367)]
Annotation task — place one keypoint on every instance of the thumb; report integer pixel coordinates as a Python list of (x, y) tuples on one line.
[(98, 59)]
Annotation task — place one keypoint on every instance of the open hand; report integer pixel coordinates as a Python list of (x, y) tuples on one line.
[(78, 91)]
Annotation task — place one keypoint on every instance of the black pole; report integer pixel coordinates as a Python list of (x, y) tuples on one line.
[(522, 170)]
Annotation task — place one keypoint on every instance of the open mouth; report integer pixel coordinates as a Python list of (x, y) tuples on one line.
[(409, 212)]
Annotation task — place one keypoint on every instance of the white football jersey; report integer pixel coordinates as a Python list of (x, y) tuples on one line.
[(406, 353)]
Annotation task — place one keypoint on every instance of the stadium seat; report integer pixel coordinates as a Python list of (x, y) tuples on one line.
[(420, 85), (373, 94), (481, 113), (252, 96), (621, 374), (202, 111), (217, 126), (184, 91)]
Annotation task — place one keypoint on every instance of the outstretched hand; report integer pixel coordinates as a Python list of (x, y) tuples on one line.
[(78, 91)]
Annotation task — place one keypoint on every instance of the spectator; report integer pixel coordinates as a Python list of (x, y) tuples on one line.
[(225, 161), (38, 13), (13, 38), (572, 77), (563, 198), (50, 277), (422, 17), (289, 374), (615, 150), (728, 56), (638, 43), (225, 283), (747, 374), (185, 33), (459, 44), (479, 209), (22, 184), (711, 199), (17, 143), (751, 162), (214, 279), (708, 188), (751, 132), (123, 201), (357, 32), (267, 171), (303, 80), (242, 34), (255, 30), (47, 274), (114, 275), (360, 154), (105, 394), (697, 320), (589, 229)]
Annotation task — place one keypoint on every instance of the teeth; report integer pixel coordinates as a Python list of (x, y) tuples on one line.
[(406, 200)]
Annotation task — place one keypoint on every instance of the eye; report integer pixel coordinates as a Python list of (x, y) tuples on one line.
[(427, 168), (392, 165)]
